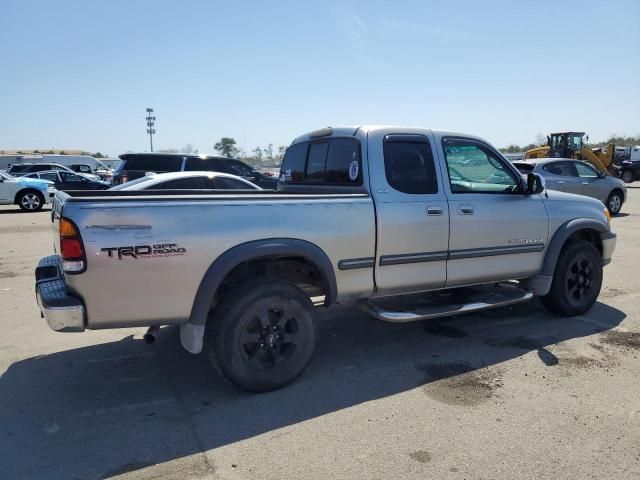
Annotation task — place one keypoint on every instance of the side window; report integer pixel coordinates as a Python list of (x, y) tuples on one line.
[(343, 164), (153, 163), (564, 169), (316, 162), (202, 164), (292, 169), (238, 168), (409, 165), (585, 171), (49, 176), (474, 168), (188, 183), (70, 177), (226, 183), (40, 168)]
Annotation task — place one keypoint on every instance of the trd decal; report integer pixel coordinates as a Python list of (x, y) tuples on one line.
[(145, 251)]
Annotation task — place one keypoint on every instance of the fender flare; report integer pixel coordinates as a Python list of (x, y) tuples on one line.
[(560, 237), (274, 247)]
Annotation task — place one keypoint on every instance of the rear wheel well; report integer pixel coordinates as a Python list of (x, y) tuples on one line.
[(303, 273), (19, 193)]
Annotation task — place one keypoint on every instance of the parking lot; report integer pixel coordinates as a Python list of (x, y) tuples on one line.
[(511, 393)]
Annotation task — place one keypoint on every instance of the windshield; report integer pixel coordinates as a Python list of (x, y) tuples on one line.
[(575, 142)]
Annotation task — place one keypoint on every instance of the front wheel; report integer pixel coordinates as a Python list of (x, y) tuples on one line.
[(577, 280), (30, 201), (614, 202), (262, 336)]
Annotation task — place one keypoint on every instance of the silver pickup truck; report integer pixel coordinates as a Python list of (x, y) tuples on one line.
[(406, 223)]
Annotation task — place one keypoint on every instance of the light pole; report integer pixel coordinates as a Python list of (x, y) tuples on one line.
[(150, 123)]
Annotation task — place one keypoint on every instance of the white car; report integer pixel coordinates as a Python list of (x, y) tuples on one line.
[(188, 181), (30, 194)]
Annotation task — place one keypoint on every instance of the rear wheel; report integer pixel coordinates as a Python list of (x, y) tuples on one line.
[(614, 202), (262, 336), (30, 200), (628, 176), (577, 280)]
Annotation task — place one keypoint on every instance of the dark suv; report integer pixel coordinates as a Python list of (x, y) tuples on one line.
[(136, 165)]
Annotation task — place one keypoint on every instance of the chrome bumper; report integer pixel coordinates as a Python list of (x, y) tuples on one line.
[(608, 246), (63, 312)]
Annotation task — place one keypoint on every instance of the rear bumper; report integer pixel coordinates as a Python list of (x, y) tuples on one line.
[(63, 312), (608, 246)]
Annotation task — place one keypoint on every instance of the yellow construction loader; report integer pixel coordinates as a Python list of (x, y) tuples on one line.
[(571, 145)]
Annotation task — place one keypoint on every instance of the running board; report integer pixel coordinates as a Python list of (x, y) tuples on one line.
[(445, 303)]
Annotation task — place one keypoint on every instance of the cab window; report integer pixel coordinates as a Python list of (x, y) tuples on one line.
[(408, 164), (475, 168), (334, 161)]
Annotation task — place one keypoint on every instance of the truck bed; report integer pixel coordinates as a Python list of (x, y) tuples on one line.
[(200, 225)]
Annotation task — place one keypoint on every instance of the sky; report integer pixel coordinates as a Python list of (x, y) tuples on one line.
[(80, 74)]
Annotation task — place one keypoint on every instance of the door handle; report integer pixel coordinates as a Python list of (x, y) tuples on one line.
[(585, 183), (433, 211), (561, 182), (465, 210)]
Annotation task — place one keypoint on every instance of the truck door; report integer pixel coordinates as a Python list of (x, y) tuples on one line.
[(412, 212), (496, 231)]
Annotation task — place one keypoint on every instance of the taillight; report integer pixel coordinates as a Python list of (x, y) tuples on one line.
[(71, 248)]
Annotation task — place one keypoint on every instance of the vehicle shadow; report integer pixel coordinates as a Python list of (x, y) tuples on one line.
[(622, 215), (117, 407)]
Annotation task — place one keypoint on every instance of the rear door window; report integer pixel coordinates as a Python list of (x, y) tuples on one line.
[(148, 163), (564, 169), (409, 165), (203, 164), (52, 176), (236, 167)]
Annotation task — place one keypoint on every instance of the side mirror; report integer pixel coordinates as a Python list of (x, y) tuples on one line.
[(535, 184), (602, 174)]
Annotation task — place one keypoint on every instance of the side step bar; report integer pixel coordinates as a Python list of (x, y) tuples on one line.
[(446, 303)]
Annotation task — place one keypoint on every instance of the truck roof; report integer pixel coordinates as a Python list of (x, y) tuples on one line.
[(353, 130)]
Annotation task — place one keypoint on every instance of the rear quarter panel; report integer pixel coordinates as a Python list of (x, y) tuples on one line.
[(160, 289)]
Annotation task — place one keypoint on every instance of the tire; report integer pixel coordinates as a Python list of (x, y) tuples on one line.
[(262, 336), (30, 200), (628, 176), (577, 280), (614, 202)]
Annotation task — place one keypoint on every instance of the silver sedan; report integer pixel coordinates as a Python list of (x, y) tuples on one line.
[(575, 176)]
